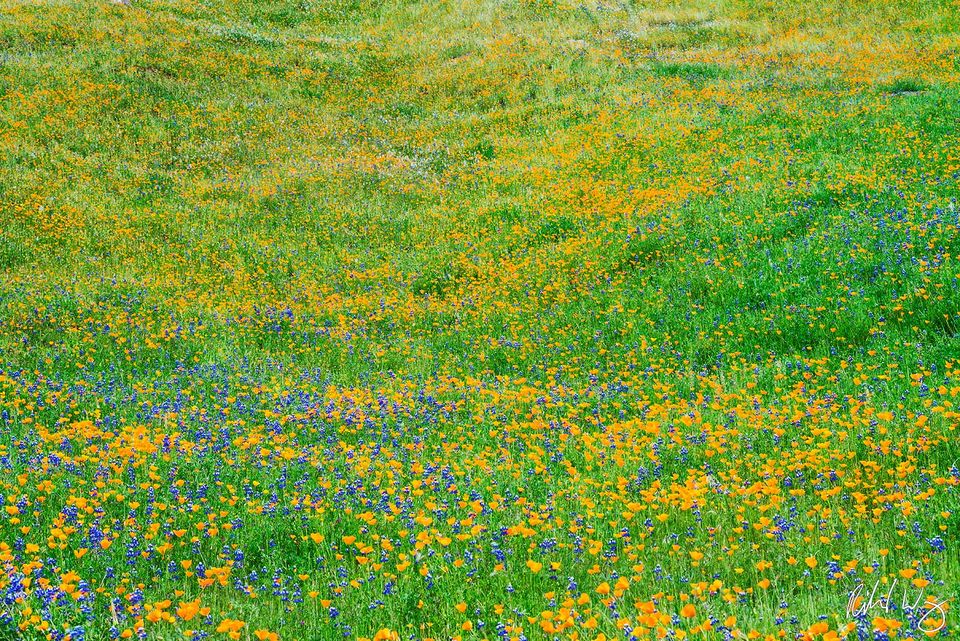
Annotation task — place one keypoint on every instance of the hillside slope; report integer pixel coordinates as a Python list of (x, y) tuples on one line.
[(497, 320)]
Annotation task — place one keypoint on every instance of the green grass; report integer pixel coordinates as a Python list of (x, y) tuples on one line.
[(607, 285)]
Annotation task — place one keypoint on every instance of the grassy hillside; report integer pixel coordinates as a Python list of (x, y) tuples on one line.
[(487, 320)]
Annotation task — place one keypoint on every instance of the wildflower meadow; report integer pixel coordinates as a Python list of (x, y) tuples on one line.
[(499, 320)]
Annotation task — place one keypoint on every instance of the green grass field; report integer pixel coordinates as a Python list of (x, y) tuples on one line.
[(513, 321)]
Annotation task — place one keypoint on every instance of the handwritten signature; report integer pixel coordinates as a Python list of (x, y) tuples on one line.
[(858, 605)]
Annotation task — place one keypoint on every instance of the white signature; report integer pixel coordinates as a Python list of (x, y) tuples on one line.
[(857, 605)]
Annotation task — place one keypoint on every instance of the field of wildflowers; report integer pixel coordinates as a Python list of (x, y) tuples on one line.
[(476, 320)]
